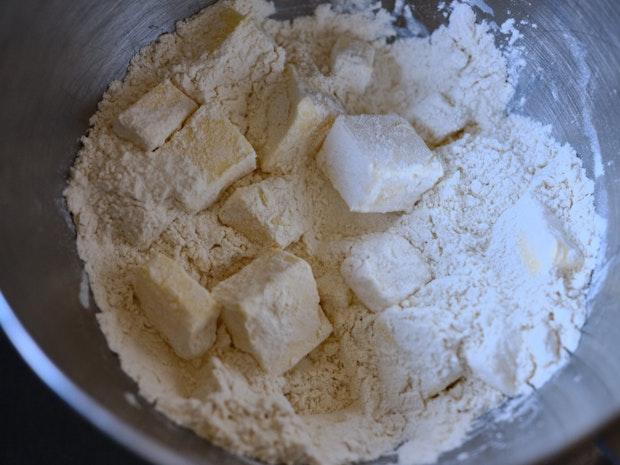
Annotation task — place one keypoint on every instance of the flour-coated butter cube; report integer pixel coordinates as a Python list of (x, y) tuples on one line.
[(352, 63), (241, 53), (415, 349), (208, 30), (378, 163), (270, 211), (271, 310), (528, 238), (298, 118), (436, 118), (153, 118), (383, 269), (218, 151), (513, 357), (177, 306)]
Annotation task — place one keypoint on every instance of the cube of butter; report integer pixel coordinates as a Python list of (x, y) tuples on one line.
[(378, 163), (512, 356), (208, 31), (352, 63), (153, 118), (383, 269), (415, 349), (219, 152), (299, 117), (177, 306), (271, 309), (436, 118), (268, 212), (240, 53), (529, 240)]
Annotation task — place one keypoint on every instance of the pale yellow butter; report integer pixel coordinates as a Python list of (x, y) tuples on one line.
[(239, 53), (177, 306), (153, 118), (268, 212), (299, 117), (271, 310), (219, 152)]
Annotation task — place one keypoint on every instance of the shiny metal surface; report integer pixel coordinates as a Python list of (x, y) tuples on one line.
[(56, 59)]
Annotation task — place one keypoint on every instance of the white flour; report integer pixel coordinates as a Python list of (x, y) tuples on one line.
[(338, 404)]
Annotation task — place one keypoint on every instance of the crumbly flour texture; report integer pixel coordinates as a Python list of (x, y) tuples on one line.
[(486, 325)]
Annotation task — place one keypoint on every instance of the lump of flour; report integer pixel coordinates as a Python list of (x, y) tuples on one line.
[(311, 244)]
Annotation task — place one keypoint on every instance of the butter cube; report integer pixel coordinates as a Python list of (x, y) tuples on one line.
[(383, 269), (268, 212), (177, 306), (528, 239), (153, 118), (378, 163), (218, 151), (513, 357), (352, 63), (271, 310), (241, 53), (415, 350), (208, 30), (299, 117), (436, 118)]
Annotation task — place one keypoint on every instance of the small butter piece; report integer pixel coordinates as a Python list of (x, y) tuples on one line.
[(271, 309), (219, 152), (530, 237), (268, 212), (378, 163), (177, 306), (153, 118), (299, 117), (436, 118), (384, 269), (415, 350), (351, 63)]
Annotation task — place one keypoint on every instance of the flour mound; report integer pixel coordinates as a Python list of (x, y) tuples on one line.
[(350, 399)]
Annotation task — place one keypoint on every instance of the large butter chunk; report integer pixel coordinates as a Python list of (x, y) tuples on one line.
[(177, 306), (218, 151), (298, 118), (384, 269), (352, 64), (153, 118), (378, 163), (271, 309), (436, 118), (415, 350), (527, 237), (268, 212)]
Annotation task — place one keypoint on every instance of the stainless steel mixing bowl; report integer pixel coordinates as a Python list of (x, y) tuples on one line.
[(56, 59)]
